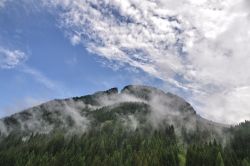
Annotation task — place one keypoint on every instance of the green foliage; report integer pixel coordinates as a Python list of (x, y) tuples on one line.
[(235, 153), (182, 159), (113, 144), (98, 147), (245, 163), (241, 140), (219, 160)]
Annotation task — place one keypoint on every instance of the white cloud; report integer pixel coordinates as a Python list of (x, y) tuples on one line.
[(11, 58), (229, 106), (200, 47), (75, 39)]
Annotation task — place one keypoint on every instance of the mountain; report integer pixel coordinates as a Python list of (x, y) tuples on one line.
[(131, 105), (140, 125)]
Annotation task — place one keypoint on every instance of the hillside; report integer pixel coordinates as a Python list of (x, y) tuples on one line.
[(133, 103), (140, 125)]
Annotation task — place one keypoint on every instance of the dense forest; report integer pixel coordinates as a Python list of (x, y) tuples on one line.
[(118, 146), (124, 133)]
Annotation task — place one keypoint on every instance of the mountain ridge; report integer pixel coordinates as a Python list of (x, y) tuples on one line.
[(75, 114)]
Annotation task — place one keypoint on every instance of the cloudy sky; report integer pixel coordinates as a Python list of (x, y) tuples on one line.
[(60, 48)]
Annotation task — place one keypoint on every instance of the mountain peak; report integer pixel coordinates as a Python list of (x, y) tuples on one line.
[(111, 91), (78, 113), (141, 91)]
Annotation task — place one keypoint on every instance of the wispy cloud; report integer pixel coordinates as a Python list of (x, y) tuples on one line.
[(51, 84), (40, 77), (15, 59), (200, 47), (11, 58)]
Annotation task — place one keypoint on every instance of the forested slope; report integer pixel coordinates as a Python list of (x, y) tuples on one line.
[(139, 126)]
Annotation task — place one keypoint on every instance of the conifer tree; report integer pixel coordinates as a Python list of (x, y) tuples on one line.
[(219, 160)]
